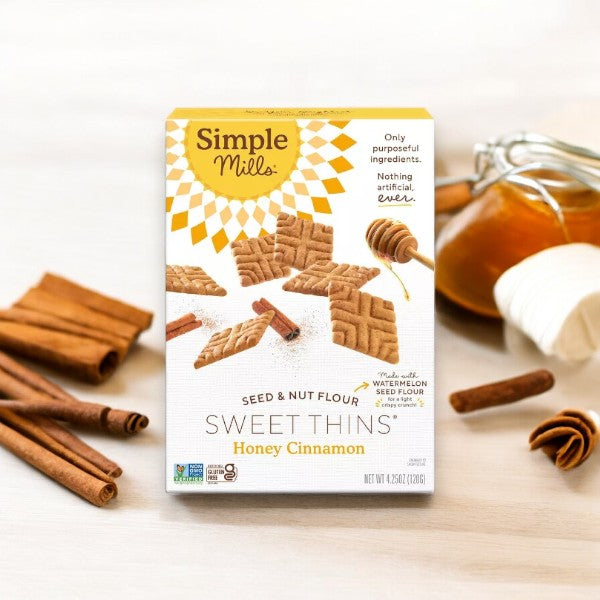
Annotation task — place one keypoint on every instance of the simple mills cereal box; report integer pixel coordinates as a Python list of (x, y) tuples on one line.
[(300, 291)]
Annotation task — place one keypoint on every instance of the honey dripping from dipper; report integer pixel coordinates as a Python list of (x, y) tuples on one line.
[(392, 241)]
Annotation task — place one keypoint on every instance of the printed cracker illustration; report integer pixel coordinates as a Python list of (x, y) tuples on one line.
[(316, 278), (255, 260), (238, 338), (192, 280), (300, 243), (363, 322)]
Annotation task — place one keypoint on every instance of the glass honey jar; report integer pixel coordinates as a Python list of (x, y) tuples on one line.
[(503, 225)]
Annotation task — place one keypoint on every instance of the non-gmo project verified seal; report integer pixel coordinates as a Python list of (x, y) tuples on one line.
[(190, 473)]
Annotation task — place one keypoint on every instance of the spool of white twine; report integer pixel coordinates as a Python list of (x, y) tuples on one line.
[(554, 298)]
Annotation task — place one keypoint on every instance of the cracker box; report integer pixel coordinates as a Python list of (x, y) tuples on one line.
[(300, 292)]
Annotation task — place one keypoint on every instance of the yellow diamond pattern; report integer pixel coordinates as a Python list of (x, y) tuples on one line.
[(333, 186), (179, 221), (321, 205), (184, 188), (340, 164), (306, 193), (343, 142), (198, 233), (195, 200), (220, 240), (315, 158)]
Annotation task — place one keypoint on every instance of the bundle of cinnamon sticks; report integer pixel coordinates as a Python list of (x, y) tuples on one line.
[(78, 331), (28, 410)]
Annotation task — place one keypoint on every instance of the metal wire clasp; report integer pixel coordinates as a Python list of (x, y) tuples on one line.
[(524, 159)]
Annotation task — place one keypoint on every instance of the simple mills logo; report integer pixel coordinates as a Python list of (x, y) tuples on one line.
[(242, 160), (188, 473)]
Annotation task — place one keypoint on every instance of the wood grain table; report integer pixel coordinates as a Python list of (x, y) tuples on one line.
[(503, 521), (85, 89)]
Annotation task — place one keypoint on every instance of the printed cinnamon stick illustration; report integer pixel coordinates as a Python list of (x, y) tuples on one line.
[(502, 392), (188, 318), (281, 323), (182, 325)]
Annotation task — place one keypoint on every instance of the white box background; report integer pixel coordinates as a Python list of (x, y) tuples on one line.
[(311, 361)]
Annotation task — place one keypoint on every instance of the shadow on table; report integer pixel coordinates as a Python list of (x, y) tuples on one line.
[(466, 324), (282, 510), (141, 362), (510, 417)]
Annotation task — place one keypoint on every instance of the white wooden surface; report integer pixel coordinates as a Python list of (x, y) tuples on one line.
[(85, 87)]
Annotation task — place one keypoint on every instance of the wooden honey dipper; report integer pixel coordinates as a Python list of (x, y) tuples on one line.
[(393, 241)]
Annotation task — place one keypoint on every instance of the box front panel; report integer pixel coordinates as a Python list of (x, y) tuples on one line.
[(264, 214)]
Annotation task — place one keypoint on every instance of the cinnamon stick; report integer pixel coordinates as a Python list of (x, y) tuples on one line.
[(502, 392), (452, 197), (43, 301), (38, 396), (124, 422), (19, 381), (189, 318), (60, 286), (33, 431), (86, 414), (81, 478), (84, 358), (568, 438), (33, 317), (183, 329), (282, 324), (72, 442), (33, 380)]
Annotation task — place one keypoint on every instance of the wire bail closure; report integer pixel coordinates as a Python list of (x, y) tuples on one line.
[(516, 158)]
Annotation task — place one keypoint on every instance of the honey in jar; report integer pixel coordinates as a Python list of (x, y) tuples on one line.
[(501, 227)]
